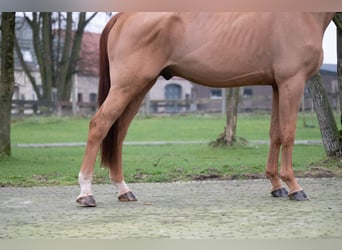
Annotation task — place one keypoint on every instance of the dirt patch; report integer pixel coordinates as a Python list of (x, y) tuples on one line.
[(201, 177), (318, 172), (217, 175), (326, 168), (207, 174)]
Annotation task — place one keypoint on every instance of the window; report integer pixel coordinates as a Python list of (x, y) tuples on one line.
[(92, 97), (173, 92), (79, 97), (215, 94), (247, 92)]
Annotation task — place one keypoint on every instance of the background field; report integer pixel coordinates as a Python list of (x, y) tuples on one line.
[(60, 165)]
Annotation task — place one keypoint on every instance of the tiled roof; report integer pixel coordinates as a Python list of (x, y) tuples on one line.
[(89, 54)]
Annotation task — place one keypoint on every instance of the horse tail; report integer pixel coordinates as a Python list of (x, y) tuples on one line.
[(103, 90)]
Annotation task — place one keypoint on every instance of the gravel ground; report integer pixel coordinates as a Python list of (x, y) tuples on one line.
[(231, 209)]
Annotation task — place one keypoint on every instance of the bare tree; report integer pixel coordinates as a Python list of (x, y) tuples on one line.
[(57, 47), (6, 80)]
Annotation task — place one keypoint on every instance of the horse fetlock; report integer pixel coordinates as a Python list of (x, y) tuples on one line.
[(275, 180), (271, 174), (122, 186), (286, 177), (85, 185)]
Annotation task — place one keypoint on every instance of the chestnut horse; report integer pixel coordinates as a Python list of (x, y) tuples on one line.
[(221, 50)]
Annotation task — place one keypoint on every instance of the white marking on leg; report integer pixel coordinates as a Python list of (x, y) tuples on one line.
[(122, 186), (85, 185)]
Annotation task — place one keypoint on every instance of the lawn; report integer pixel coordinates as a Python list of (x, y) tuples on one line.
[(60, 165)]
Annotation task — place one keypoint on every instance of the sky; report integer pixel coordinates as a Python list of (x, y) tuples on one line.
[(329, 39), (329, 44)]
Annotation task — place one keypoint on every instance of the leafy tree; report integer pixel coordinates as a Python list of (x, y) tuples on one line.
[(6, 80)]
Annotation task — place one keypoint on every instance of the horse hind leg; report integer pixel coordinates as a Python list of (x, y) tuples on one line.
[(97, 131), (272, 163), (121, 127), (98, 128), (115, 104)]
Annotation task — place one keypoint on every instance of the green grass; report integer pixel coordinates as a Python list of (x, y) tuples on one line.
[(208, 127), (60, 166), (168, 128), (49, 130)]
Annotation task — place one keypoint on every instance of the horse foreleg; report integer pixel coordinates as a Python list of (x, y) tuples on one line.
[(122, 124), (290, 94), (272, 163)]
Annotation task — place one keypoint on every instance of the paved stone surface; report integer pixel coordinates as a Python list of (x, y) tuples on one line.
[(204, 209)]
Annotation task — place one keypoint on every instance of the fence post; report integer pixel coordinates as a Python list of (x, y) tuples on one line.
[(146, 108), (74, 94)]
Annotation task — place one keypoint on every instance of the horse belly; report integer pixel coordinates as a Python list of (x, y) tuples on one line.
[(228, 69), (222, 50)]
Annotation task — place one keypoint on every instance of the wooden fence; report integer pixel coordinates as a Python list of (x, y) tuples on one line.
[(205, 105), (22, 108)]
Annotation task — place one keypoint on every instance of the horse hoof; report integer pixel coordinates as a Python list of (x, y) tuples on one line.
[(298, 196), (281, 192), (126, 197), (87, 201)]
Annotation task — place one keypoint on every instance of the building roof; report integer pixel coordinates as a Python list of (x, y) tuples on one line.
[(89, 54), (332, 68)]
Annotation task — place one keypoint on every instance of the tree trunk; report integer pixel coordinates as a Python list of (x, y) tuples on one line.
[(325, 116), (64, 64), (6, 80), (338, 23), (47, 53), (231, 117), (74, 53), (228, 137)]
